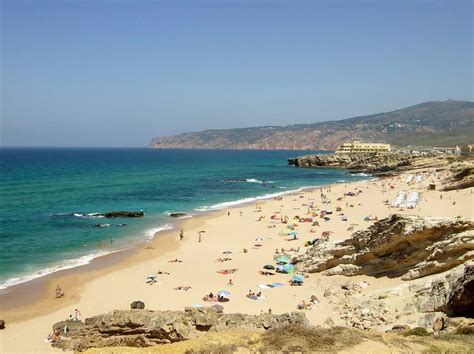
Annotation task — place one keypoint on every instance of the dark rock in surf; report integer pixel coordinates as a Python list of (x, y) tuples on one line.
[(177, 215), (123, 214)]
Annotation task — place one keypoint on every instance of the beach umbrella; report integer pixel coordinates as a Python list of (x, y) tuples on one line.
[(299, 278), (268, 266), (151, 276), (224, 293), (294, 233), (218, 308), (286, 268), (282, 259)]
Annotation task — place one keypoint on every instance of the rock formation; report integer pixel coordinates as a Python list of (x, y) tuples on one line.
[(142, 328), (408, 246), (374, 163), (123, 214), (461, 179), (177, 215), (451, 292)]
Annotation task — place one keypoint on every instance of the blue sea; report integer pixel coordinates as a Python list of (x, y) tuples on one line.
[(48, 197)]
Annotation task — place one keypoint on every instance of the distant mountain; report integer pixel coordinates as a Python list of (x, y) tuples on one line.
[(434, 123)]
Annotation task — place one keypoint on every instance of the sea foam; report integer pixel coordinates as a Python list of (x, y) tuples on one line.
[(67, 264)]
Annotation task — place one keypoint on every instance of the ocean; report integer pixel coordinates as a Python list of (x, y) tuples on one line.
[(48, 197)]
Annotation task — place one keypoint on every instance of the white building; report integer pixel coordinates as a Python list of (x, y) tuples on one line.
[(358, 147)]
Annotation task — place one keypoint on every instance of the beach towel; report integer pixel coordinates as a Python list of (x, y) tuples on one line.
[(264, 286), (275, 285)]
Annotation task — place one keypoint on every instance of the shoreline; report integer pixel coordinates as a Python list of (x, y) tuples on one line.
[(21, 301)]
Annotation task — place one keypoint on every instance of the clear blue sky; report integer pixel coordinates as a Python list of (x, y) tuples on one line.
[(117, 73)]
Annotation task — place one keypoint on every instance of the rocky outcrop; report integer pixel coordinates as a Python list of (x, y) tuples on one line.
[(123, 214), (143, 328), (400, 245), (461, 179), (374, 163), (447, 292)]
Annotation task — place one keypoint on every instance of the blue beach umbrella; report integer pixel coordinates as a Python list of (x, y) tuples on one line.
[(299, 278), (294, 233)]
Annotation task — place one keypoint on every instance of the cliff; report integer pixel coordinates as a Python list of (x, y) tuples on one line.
[(445, 123)]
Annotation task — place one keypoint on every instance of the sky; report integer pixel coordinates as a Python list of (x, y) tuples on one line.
[(118, 73)]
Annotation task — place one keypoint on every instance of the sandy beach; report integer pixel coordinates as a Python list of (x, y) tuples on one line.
[(254, 227)]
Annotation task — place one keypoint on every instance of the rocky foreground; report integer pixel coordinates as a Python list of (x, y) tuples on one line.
[(144, 328)]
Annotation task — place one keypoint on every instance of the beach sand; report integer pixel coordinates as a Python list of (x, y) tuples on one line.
[(118, 282)]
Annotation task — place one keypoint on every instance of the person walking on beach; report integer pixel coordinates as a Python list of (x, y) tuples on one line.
[(181, 235), (230, 283), (77, 314)]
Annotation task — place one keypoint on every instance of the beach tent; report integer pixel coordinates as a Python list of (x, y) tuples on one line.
[(285, 268)]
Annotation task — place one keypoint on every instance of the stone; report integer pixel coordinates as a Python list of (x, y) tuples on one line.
[(329, 322), (427, 321), (177, 215), (137, 305), (367, 324), (438, 325), (2, 324), (400, 328)]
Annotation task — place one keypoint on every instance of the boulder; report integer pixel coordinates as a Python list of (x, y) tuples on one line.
[(123, 214), (177, 215), (137, 305), (461, 297)]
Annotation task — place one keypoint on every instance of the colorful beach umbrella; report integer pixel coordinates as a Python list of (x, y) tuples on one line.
[(286, 268), (282, 260)]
